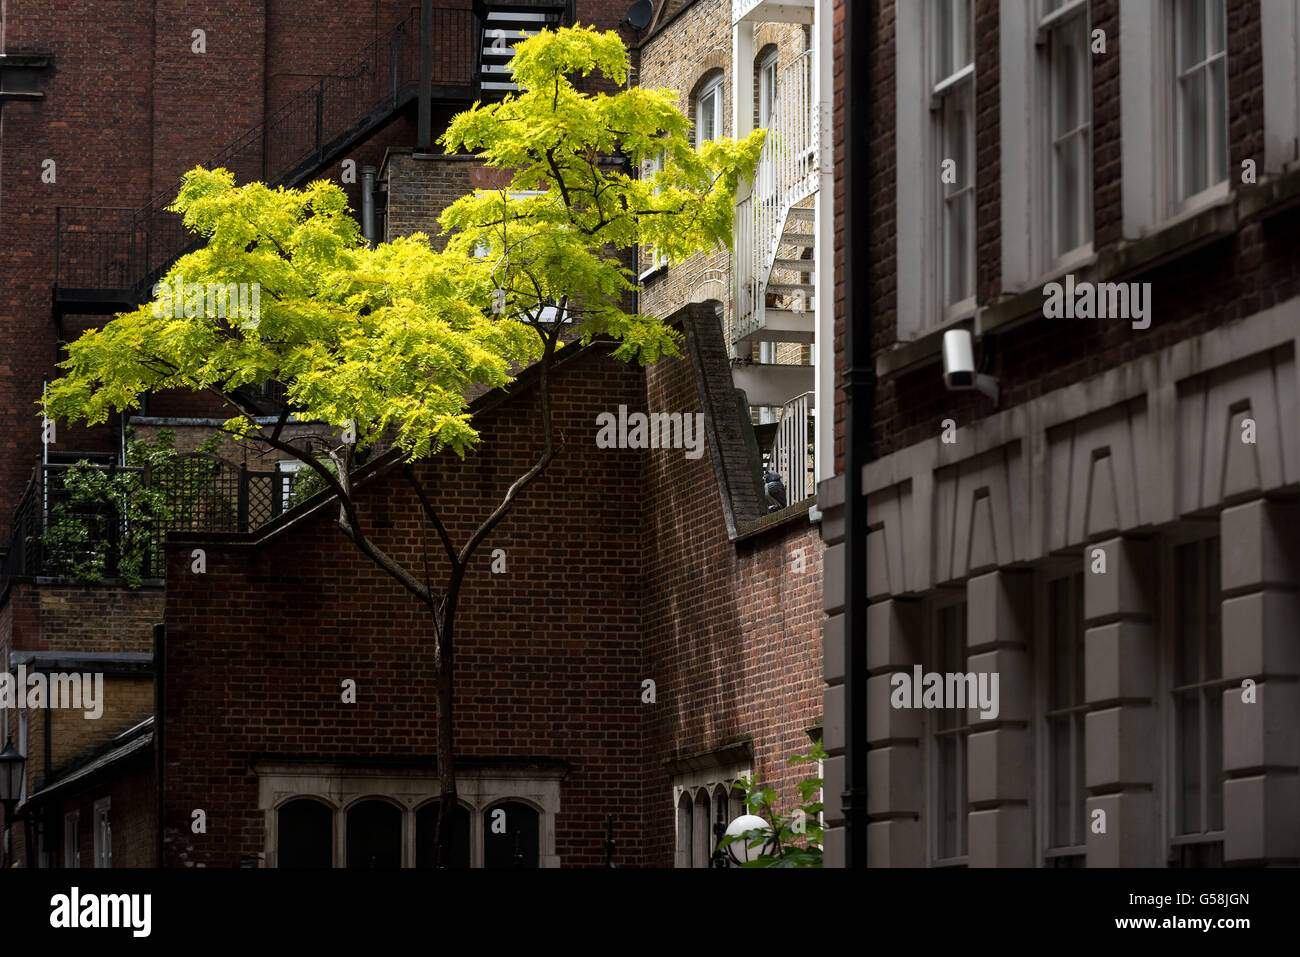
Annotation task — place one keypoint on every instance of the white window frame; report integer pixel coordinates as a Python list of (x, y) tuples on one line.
[(72, 839), (768, 82), (1280, 52), (1064, 17), (922, 308), (710, 90), (482, 249), (284, 469), (1180, 201), (943, 86), (104, 832), (1148, 128), (1194, 533), (768, 77), (1028, 238), (942, 600), (657, 261)]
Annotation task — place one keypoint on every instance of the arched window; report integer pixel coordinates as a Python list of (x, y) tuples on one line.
[(374, 835), (511, 835), (426, 826), (723, 797), (766, 99), (767, 87), (684, 830), (702, 844), (304, 831), (709, 124)]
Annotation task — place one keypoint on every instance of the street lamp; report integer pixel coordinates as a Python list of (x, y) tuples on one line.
[(740, 851), (12, 765)]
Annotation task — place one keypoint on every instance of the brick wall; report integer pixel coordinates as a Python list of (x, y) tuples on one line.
[(132, 809), (94, 123), (102, 618), (547, 654), (71, 617), (619, 569), (420, 189), (126, 702), (732, 629)]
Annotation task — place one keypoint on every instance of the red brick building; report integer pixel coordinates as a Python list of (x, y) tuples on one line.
[(620, 567)]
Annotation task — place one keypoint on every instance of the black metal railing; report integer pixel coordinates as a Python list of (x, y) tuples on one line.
[(59, 533), (95, 247), (116, 249)]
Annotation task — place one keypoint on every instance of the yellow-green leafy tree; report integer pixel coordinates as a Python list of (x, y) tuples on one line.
[(387, 342)]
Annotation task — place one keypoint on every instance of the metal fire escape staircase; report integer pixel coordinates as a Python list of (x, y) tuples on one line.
[(504, 25), (775, 239), (775, 261), (107, 259)]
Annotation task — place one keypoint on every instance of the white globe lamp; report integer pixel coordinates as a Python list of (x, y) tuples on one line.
[(741, 852)]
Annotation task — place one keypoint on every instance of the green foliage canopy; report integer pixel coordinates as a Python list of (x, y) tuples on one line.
[(392, 338)]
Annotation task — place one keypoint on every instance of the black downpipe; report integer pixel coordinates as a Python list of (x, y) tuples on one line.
[(859, 396), (49, 746), (159, 758), (424, 123)]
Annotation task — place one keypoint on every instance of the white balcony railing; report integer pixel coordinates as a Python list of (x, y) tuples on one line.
[(787, 174), (792, 449)]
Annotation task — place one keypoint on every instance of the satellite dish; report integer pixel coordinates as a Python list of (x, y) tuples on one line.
[(638, 18)]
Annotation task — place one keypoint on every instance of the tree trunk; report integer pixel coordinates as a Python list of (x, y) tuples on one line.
[(446, 750)]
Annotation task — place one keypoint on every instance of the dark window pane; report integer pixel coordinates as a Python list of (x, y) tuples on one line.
[(374, 835), (1058, 612), (1080, 778), (1186, 607), (685, 827), (1214, 759), (1059, 759), (1213, 637), (1069, 860), (511, 836), (304, 834), (1076, 631), (426, 827), (1189, 763), (1209, 854)]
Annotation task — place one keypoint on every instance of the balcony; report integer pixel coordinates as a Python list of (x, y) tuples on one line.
[(58, 535), (772, 11), (792, 452)]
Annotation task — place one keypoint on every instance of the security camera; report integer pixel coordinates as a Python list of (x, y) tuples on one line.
[(959, 365)]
